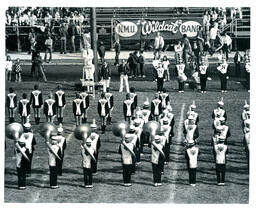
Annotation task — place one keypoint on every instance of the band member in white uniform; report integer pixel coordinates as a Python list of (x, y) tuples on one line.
[(164, 97), (85, 104), (50, 108), (218, 113), (180, 67), (190, 130), (24, 109), (36, 100), (223, 73), (134, 98), (11, 104), (203, 76), (60, 103), (62, 144), (156, 107), (127, 108), (103, 111), (77, 109)]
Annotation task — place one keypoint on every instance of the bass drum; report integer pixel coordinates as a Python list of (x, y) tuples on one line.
[(182, 77), (196, 77)]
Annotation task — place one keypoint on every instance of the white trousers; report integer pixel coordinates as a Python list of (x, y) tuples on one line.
[(124, 78), (105, 84)]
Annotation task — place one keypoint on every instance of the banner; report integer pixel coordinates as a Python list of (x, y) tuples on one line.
[(147, 29)]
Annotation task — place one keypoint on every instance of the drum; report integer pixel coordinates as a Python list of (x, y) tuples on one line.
[(196, 77), (182, 77)]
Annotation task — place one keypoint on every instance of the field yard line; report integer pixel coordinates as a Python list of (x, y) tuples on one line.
[(179, 138)]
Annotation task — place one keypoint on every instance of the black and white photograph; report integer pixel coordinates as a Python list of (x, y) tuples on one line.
[(121, 104)]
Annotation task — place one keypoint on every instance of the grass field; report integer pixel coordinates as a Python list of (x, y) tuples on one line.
[(108, 182)]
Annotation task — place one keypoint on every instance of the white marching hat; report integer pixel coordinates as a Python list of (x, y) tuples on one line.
[(27, 125)]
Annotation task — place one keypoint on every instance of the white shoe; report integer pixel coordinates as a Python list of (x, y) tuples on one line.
[(155, 184), (159, 184), (193, 185)]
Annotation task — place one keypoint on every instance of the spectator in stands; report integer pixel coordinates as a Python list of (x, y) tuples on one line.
[(238, 60), (213, 35), (141, 64), (8, 68), (206, 22), (17, 70), (63, 38), (226, 44), (158, 45), (123, 72), (200, 39), (117, 47), (234, 11), (72, 33), (222, 19), (48, 48), (101, 51), (186, 48), (32, 40)]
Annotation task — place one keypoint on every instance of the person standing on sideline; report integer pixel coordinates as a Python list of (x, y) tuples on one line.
[(17, 70), (160, 75), (238, 60), (187, 49), (110, 98), (88, 157), (141, 64), (203, 76), (156, 107), (77, 109), (50, 108), (24, 108), (117, 47), (103, 111), (72, 33), (220, 151), (63, 38), (48, 48), (165, 65), (60, 103), (8, 68), (180, 68), (85, 104), (127, 108), (105, 74), (158, 45), (101, 51), (164, 97), (178, 49), (36, 100), (223, 73), (191, 155), (226, 44), (38, 67), (126, 149), (123, 72), (11, 104)]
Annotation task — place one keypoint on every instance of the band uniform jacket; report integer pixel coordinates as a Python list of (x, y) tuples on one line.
[(164, 97), (86, 157), (219, 112), (221, 151), (36, 99), (95, 141), (203, 69), (156, 107), (160, 73), (85, 100), (49, 107), (20, 159), (223, 68), (77, 107), (126, 156), (127, 107), (180, 69), (24, 107), (156, 157), (109, 96), (191, 132), (11, 101), (247, 67), (103, 109), (168, 132), (62, 145), (145, 115), (30, 141), (60, 98), (194, 114), (134, 99), (123, 69), (245, 115), (105, 72), (191, 155), (52, 157)]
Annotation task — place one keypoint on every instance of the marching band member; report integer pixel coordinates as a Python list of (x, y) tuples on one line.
[(221, 151), (139, 117), (30, 145), (190, 130), (156, 107), (88, 154), (170, 114), (53, 149), (145, 111), (164, 97), (103, 111), (135, 142), (247, 67), (50, 108), (191, 155), (60, 103), (36, 100), (85, 104), (159, 76), (164, 116), (62, 146), (77, 109), (225, 133), (21, 162), (95, 145), (157, 159), (166, 64), (127, 108), (110, 98), (246, 112), (11, 104), (180, 67), (24, 108), (105, 74), (123, 72), (163, 141), (126, 149), (193, 113), (138, 132), (223, 73), (203, 75), (134, 98), (218, 113), (246, 130)]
